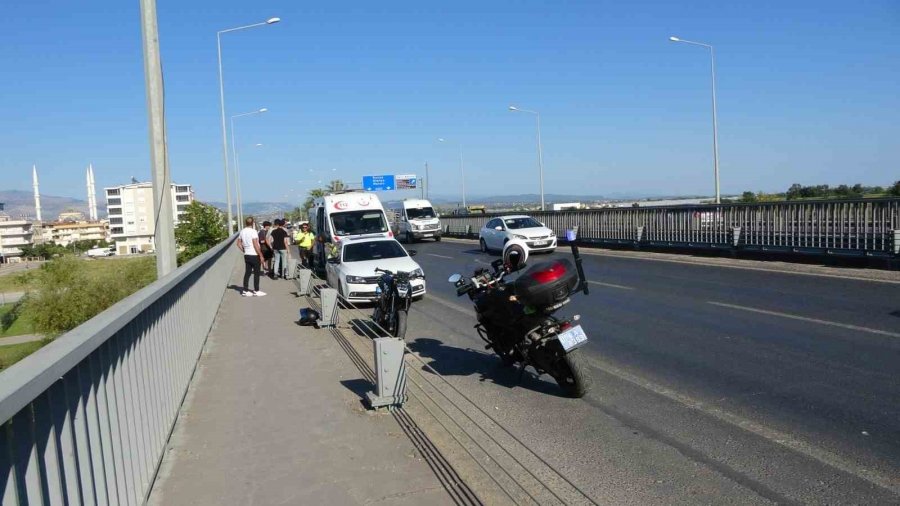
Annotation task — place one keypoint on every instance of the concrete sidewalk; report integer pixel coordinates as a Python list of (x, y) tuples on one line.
[(273, 416)]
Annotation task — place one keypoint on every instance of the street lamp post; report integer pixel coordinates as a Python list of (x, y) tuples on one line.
[(269, 21), (462, 173), (712, 57), (537, 115), (237, 169)]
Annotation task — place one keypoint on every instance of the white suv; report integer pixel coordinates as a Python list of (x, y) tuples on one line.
[(353, 272), (498, 231)]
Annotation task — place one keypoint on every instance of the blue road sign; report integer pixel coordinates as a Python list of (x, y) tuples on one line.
[(378, 183)]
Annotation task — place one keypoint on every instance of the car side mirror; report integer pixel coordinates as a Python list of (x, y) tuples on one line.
[(335, 260), (498, 228), (412, 252)]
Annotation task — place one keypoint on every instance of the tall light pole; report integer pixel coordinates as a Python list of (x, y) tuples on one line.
[(269, 21), (164, 227), (537, 115), (462, 173), (712, 57), (237, 167)]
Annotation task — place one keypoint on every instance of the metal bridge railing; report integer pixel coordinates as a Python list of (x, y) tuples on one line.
[(842, 227), (85, 419)]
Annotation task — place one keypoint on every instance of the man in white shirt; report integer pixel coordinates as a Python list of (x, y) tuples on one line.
[(248, 243)]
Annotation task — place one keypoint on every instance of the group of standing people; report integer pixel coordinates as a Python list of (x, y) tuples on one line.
[(268, 250)]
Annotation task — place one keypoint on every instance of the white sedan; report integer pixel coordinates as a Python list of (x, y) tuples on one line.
[(353, 271), (496, 232)]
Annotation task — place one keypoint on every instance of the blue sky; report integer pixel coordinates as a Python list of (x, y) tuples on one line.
[(808, 93)]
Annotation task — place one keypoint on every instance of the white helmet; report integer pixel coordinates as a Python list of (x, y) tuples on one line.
[(515, 254)]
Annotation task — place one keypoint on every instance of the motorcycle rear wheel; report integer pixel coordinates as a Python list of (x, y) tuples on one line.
[(572, 375)]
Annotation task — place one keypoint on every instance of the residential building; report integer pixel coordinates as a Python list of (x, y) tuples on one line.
[(14, 235), (65, 233), (132, 214), (71, 215)]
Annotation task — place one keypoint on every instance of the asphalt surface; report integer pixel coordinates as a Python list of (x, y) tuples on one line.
[(711, 384)]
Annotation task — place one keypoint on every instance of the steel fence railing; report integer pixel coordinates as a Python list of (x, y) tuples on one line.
[(85, 419), (842, 227)]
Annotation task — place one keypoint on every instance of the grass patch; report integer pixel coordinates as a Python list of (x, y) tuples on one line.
[(18, 281), (13, 322), (70, 291), (12, 353)]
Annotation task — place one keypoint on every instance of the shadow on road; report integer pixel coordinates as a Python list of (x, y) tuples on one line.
[(452, 361)]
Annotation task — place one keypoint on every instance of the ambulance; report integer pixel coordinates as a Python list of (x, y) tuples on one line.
[(343, 216)]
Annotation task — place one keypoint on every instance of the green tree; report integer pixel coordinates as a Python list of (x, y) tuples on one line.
[(748, 197), (894, 190), (69, 292), (313, 195), (201, 227)]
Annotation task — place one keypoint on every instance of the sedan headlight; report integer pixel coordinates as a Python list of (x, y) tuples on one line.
[(419, 272), (516, 236), (356, 280)]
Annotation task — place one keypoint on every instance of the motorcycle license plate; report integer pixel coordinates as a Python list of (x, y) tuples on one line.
[(572, 338)]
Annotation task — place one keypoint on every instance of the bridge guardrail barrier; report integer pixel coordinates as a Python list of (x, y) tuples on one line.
[(85, 419), (865, 227)]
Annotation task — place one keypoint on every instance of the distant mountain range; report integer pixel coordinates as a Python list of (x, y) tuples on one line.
[(20, 204)]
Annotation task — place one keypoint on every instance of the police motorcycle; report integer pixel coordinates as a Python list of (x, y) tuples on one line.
[(394, 300), (516, 318)]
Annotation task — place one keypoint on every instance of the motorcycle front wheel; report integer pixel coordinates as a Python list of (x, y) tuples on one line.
[(399, 327)]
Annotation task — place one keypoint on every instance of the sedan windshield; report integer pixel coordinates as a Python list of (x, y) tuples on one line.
[(424, 212), (516, 223), (358, 222), (374, 250)]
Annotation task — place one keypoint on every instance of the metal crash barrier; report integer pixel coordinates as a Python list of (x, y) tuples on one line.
[(85, 419), (864, 227)]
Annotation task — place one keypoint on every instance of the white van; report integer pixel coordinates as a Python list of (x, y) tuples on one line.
[(101, 252), (415, 219), (345, 214)]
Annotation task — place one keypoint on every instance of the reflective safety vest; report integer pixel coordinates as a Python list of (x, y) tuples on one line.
[(304, 240)]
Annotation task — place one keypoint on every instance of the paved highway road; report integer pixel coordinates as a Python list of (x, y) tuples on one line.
[(711, 384)]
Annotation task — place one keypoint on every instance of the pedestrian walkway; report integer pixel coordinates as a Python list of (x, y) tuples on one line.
[(24, 338), (274, 416)]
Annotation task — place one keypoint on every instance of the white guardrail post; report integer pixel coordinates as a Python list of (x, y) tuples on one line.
[(303, 280), (328, 301), (390, 372)]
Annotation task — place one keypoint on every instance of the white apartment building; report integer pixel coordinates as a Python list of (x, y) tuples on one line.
[(65, 233), (131, 212), (14, 234)]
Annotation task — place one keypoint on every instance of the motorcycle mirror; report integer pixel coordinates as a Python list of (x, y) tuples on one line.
[(455, 278), (412, 252)]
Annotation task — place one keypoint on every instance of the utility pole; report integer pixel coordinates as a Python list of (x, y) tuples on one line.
[(425, 183), (164, 227)]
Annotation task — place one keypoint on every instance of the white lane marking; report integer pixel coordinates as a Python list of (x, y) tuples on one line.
[(806, 319), (439, 256), (610, 285), (468, 311), (772, 435), (633, 256)]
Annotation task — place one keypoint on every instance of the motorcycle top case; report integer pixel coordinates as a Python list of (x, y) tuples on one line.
[(546, 283)]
